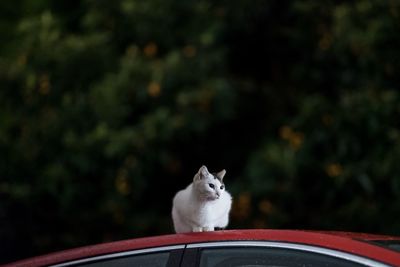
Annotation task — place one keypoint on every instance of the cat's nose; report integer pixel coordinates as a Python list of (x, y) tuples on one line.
[(217, 195)]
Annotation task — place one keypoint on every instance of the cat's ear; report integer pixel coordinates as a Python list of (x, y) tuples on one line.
[(221, 174), (203, 172)]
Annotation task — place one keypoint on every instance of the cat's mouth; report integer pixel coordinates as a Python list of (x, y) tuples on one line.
[(210, 196), (213, 197)]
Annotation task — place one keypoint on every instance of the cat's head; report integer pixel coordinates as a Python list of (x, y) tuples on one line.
[(209, 185)]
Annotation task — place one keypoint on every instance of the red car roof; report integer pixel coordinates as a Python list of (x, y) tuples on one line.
[(354, 243)]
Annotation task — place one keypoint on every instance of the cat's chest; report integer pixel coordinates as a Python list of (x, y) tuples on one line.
[(202, 208), (205, 211)]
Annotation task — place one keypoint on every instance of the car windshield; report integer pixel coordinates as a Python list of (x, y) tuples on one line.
[(390, 244)]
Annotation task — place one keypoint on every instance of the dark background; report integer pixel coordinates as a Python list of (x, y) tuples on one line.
[(107, 108)]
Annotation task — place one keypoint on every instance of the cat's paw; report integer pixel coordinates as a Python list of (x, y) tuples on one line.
[(208, 229), (196, 229)]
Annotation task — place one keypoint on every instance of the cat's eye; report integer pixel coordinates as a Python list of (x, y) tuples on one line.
[(211, 185), (222, 187)]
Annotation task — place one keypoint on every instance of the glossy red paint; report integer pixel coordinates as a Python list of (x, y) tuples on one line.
[(353, 243)]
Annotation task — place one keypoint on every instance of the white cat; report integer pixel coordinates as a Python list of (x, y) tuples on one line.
[(203, 205)]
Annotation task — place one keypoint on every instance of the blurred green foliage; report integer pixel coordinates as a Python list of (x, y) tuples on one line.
[(107, 108)]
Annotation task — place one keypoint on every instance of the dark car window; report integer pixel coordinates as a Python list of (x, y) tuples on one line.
[(142, 260), (268, 257), (390, 244)]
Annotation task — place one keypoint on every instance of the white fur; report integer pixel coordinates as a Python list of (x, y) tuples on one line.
[(200, 208)]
